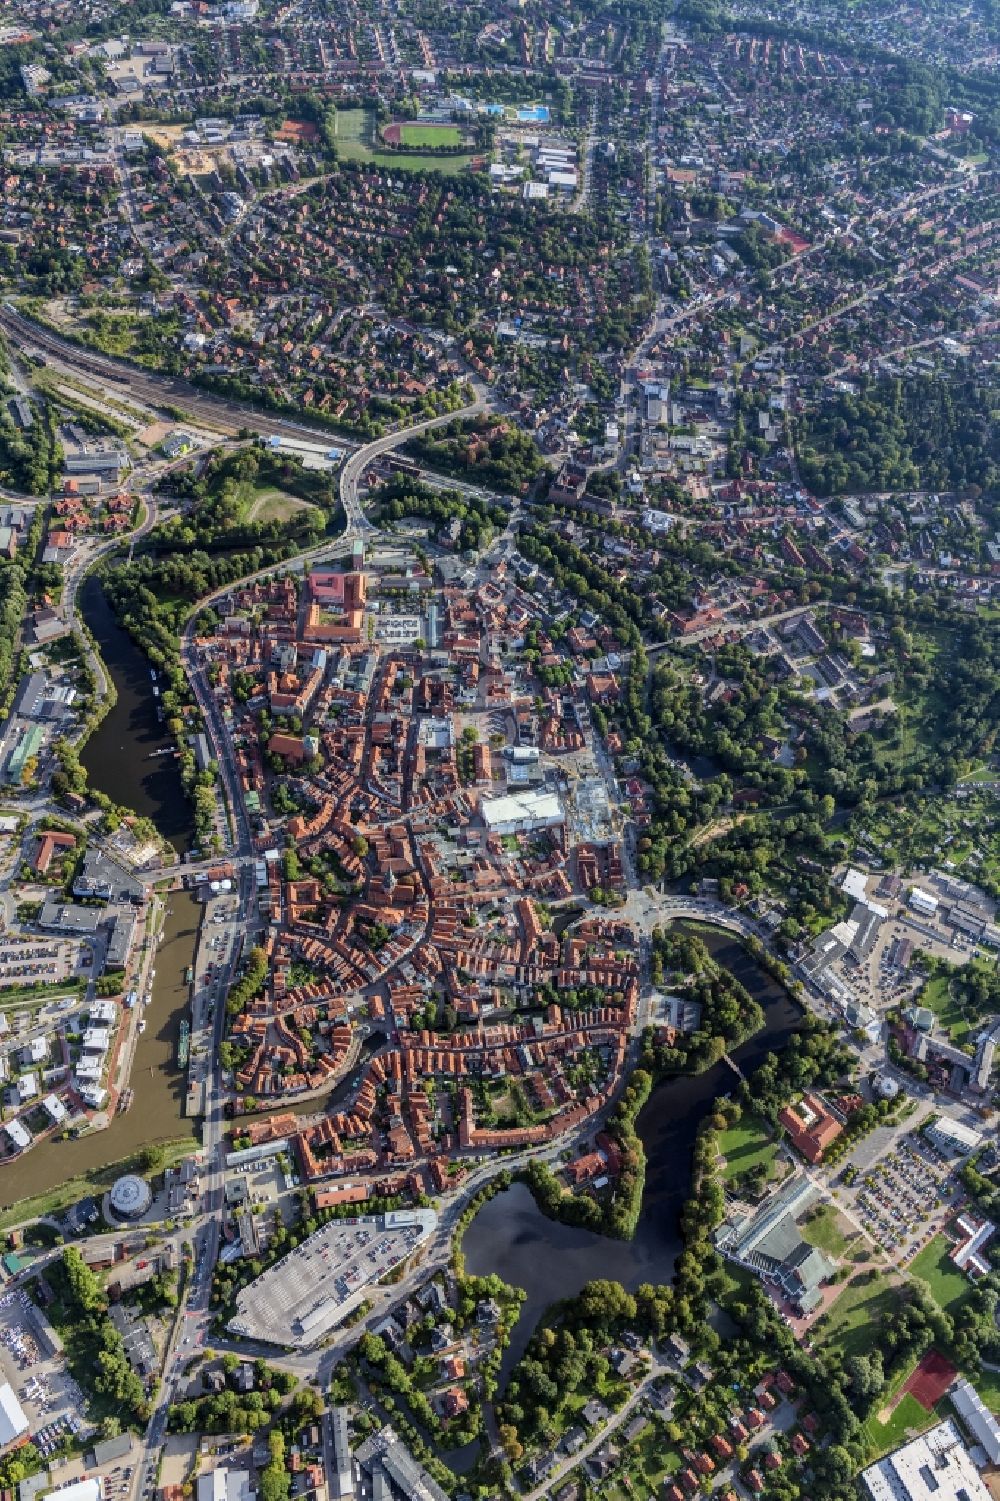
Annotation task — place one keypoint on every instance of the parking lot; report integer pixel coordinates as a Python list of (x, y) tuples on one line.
[(312, 1289), (52, 1401), (35, 963), (903, 1197)]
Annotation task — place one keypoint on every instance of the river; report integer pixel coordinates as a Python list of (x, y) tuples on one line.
[(118, 762), (156, 1114), (512, 1237), (120, 756)]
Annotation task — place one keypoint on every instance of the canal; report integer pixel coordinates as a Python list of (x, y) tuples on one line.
[(512, 1237), (122, 756)]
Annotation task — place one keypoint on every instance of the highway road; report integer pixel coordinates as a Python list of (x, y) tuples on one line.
[(357, 463)]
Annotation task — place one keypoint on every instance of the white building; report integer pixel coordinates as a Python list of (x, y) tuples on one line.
[(935, 1467), (83, 1490), (55, 1109), (13, 1423), (27, 1088), (224, 1484), (953, 1138), (522, 812), (923, 902), (89, 1069), (36, 1052), (977, 1420), (20, 1136)]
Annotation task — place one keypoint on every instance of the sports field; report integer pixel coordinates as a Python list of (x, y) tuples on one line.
[(931, 1379), (356, 141), (412, 134)]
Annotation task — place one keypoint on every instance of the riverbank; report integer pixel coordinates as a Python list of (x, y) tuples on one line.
[(54, 1201)]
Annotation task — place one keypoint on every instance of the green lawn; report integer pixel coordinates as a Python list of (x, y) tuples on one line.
[(430, 135), (948, 1287), (825, 1228), (937, 997), (275, 505), (738, 1281), (745, 1146), (851, 1325)]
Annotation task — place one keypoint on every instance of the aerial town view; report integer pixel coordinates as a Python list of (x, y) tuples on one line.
[(499, 750)]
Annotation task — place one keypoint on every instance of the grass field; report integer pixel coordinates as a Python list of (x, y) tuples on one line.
[(27, 995), (356, 143), (411, 134), (906, 1420), (737, 1281), (745, 1146), (275, 505), (987, 1384), (261, 501), (948, 1287), (851, 1326)]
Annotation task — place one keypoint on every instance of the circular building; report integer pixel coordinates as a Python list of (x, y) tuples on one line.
[(886, 1087), (130, 1197)]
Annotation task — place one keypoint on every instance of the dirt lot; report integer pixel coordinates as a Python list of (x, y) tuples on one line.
[(179, 1454)]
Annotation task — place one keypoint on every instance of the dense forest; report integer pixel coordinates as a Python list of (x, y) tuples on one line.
[(921, 432), (220, 501), (728, 1014)]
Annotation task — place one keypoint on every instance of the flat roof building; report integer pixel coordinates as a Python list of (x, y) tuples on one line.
[(224, 1484), (953, 1137), (935, 1467), (83, 1490), (105, 879), (522, 812), (68, 917), (923, 902)]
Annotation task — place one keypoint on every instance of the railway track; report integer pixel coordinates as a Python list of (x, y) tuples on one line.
[(218, 412)]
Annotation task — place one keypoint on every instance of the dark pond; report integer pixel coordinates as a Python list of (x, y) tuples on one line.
[(512, 1237)]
